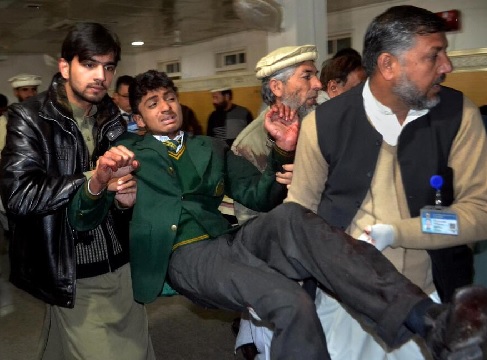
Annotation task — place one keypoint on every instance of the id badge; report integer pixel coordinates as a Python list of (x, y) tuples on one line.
[(437, 220)]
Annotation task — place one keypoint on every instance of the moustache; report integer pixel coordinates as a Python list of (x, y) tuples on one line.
[(97, 84), (440, 79)]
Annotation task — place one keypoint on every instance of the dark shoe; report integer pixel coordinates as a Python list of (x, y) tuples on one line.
[(459, 331), (249, 351)]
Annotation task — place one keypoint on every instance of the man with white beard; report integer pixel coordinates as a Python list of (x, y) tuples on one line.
[(289, 78)]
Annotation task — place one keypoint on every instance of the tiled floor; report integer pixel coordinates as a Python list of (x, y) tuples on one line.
[(179, 329)]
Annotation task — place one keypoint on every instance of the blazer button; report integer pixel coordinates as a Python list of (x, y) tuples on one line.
[(170, 170), (174, 227)]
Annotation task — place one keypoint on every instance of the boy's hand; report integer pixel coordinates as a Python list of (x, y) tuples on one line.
[(117, 162)]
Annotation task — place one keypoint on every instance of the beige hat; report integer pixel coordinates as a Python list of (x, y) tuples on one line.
[(25, 80), (220, 89), (284, 57)]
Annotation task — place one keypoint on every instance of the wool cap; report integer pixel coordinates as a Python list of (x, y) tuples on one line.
[(220, 89), (20, 80), (284, 57)]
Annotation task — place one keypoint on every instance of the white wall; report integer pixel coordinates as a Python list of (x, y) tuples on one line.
[(304, 22), (126, 66), (32, 64), (472, 35), (198, 60)]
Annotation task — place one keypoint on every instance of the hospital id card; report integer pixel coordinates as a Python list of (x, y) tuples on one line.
[(437, 220)]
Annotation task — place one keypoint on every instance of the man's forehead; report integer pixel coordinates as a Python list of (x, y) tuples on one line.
[(306, 66), (162, 91), (101, 58), (431, 41)]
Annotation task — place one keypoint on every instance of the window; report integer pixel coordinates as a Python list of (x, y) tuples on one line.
[(231, 60), (171, 68), (337, 43)]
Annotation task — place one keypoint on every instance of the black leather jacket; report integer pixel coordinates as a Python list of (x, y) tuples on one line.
[(42, 167)]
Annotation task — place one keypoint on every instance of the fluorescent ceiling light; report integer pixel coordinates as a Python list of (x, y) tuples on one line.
[(137, 43)]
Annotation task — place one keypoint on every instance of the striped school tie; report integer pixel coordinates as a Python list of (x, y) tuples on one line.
[(172, 145)]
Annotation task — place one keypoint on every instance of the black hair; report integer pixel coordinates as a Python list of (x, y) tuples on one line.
[(123, 80), (351, 52), (340, 66), (86, 40), (145, 82), (395, 30)]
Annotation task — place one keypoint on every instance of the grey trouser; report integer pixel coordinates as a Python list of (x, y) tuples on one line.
[(258, 265), (105, 323)]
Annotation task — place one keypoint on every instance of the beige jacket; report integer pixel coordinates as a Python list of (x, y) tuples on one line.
[(385, 202), (252, 144)]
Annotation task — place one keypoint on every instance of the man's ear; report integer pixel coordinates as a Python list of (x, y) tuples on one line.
[(63, 66), (331, 87), (139, 120), (386, 65), (276, 87)]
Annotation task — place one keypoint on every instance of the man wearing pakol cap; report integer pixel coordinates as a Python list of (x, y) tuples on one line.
[(228, 119), (25, 85), (179, 238), (289, 77)]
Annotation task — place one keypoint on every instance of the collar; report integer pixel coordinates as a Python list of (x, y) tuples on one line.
[(383, 119), (80, 113), (179, 138), (322, 97)]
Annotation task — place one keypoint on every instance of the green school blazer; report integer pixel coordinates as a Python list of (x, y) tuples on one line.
[(161, 199)]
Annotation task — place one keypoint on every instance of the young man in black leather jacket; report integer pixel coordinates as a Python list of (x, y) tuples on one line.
[(53, 142)]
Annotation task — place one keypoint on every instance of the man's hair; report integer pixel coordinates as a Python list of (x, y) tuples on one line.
[(123, 80), (3, 101), (148, 81), (86, 40), (395, 31), (282, 75), (340, 66), (348, 51)]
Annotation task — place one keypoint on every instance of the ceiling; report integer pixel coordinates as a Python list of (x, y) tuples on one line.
[(39, 26)]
